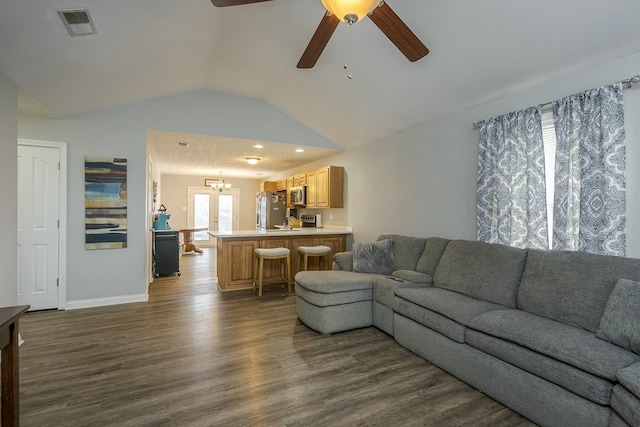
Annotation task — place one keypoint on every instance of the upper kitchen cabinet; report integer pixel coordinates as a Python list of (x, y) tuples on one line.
[(311, 189), (268, 186), (281, 185), (300, 179), (325, 187)]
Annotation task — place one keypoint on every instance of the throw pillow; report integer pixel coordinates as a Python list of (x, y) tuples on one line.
[(620, 323), (374, 258)]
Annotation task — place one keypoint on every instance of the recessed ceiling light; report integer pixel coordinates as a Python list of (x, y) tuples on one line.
[(182, 144), (299, 150), (252, 160), (258, 146)]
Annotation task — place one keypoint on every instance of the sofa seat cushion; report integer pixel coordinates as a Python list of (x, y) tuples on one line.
[(328, 288), (444, 311), (582, 383), (486, 271), (413, 276), (573, 346), (384, 287), (629, 377), (626, 405)]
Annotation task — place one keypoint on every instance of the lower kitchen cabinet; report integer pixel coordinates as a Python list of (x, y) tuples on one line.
[(236, 256)]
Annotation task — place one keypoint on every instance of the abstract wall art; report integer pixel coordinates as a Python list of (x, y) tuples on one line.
[(105, 195)]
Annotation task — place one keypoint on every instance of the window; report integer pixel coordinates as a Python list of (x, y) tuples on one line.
[(549, 142)]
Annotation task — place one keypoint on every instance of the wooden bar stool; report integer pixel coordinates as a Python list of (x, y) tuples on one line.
[(281, 254), (314, 251)]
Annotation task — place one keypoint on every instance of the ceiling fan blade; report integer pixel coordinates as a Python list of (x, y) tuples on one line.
[(224, 3), (398, 32), (319, 40)]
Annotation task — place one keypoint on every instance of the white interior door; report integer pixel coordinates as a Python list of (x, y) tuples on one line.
[(212, 209), (38, 226)]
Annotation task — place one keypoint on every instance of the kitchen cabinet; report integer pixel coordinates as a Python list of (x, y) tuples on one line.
[(236, 254), (268, 186), (325, 187), (281, 185), (235, 263), (312, 189), (300, 179)]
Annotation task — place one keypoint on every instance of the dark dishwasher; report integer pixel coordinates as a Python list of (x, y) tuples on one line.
[(166, 252)]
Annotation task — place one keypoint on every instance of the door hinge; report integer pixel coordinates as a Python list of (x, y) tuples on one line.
[(58, 165), (58, 282), (58, 223)]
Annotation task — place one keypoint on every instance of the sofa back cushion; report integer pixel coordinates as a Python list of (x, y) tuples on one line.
[(406, 250), (486, 271), (430, 258), (572, 287)]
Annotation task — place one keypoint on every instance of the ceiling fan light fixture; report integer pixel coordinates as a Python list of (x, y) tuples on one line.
[(350, 11), (252, 160)]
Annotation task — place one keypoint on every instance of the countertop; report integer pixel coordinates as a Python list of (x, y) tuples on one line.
[(306, 231)]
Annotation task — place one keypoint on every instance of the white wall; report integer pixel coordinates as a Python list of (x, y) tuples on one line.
[(174, 197), (100, 274), (8, 191), (422, 181), (119, 274)]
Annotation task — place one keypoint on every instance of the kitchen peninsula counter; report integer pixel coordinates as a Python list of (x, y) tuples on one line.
[(235, 252)]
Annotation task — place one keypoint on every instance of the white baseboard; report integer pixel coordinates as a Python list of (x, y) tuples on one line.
[(100, 302)]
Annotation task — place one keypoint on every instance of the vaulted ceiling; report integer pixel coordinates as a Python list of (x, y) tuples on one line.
[(480, 51)]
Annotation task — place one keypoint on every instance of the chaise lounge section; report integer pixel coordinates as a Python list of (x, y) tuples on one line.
[(553, 335)]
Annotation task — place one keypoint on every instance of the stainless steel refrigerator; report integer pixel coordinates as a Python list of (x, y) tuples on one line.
[(271, 209)]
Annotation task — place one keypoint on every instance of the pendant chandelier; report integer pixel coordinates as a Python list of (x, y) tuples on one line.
[(220, 185)]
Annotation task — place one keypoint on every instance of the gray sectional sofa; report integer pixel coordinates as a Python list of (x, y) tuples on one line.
[(553, 335)]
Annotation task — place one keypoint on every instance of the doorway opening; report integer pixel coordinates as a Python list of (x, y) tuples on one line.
[(214, 209)]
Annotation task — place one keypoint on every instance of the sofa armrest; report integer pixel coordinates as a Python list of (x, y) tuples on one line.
[(629, 377), (343, 261), (413, 276)]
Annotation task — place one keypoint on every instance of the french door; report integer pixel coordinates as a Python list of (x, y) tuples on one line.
[(214, 209)]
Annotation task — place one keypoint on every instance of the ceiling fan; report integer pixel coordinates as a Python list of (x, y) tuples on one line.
[(352, 11)]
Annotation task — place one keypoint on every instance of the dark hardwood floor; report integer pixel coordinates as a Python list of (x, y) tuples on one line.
[(192, 356)]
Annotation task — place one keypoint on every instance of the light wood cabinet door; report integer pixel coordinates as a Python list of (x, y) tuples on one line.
[(312, 189), (322, 188), (300, 179), (268, 186), (238, 260)]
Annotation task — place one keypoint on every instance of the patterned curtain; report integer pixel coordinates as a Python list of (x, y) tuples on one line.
[(511, 188), (590, 189)]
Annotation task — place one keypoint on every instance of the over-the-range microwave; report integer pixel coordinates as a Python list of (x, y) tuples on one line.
[(299, 195)]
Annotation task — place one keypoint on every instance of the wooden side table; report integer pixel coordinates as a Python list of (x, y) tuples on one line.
[(9, 348), (188, 239)]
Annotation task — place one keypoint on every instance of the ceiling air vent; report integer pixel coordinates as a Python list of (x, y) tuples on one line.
[(77, 21)]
